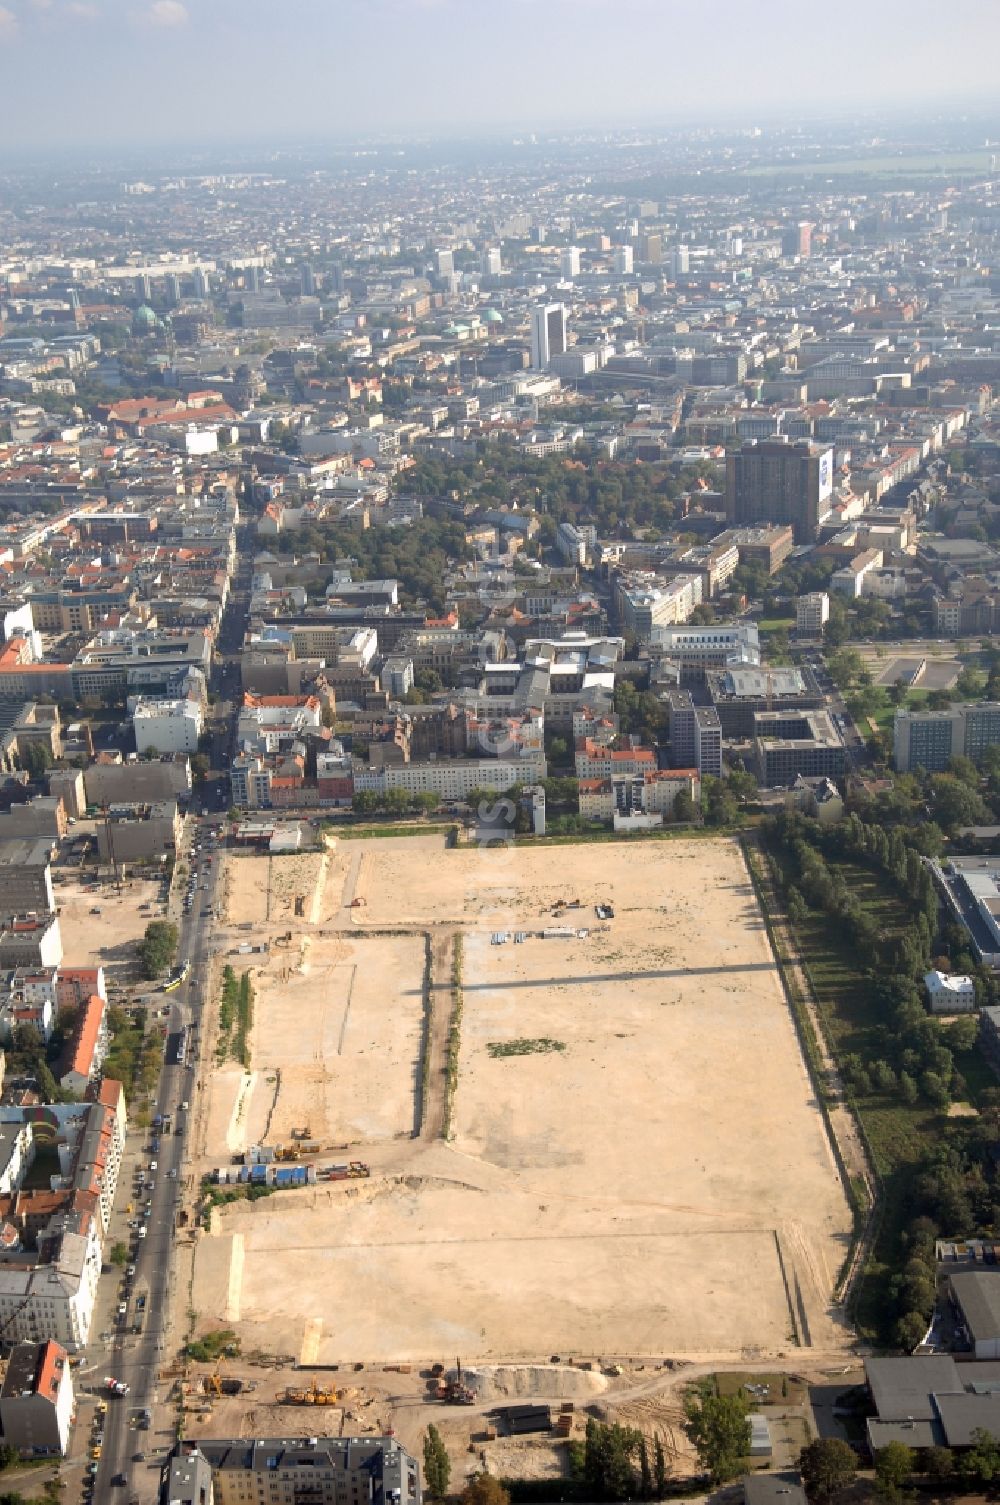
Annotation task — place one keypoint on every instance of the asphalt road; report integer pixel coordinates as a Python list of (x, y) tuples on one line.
[(137, 1358)]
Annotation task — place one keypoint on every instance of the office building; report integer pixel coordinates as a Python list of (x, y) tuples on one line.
[(679, 262), (624, 261), (772, 481), (492, 262), (738, 694), (790, 744), (695, 735), (569, 263), (444, 262), (797, 239), (930, 739), (548, 333)]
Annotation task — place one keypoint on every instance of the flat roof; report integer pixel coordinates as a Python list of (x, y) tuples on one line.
[(902, 1387), (978, 1294)]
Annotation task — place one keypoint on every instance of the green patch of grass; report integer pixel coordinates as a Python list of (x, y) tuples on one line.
[(369, 833), (775, 624), (524, 1047), (223, 1343), (780, 1387), (922, 164)]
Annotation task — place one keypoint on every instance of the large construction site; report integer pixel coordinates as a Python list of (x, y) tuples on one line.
[(571, 1090)]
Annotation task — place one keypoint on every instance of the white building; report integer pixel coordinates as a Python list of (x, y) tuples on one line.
[(167, 726), (569, 263), (950, 994), (849, 580), (56, 1299), (451, 778), (624, 261), (548, 333), (812, 612)]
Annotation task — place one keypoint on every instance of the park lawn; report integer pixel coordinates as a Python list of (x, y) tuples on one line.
[(885, 718), (775, 624)]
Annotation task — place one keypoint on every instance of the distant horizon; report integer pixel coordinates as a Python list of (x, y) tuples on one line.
[(127, 77), (973, 128)]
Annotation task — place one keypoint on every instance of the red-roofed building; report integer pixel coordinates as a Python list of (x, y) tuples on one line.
[(595, 761), (87, 1048), (36, 1400)]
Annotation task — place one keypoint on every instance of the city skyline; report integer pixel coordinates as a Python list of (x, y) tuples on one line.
[(131, 73)]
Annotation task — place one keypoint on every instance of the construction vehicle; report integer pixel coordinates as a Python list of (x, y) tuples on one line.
[(287, 1152), (353, 1170), (213, 1382), (357, 903), (305, 1133), (453, 1390), (314, 1396)]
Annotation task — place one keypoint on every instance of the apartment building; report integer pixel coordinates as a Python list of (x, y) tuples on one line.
[(37, 1401), (812, 612), (32, 939), (139, 832), (451, 779), (596, 761), (324, 1470), (167, 726), (646, 601), (623, 797)]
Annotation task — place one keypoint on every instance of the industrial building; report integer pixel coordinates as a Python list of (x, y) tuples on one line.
[(131, 833)]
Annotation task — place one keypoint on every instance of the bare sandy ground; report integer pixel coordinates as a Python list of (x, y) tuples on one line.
[(335, 1047), (91, 940), (659, 1184)]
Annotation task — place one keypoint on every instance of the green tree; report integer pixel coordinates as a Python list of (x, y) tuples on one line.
[(35, 758), (437, 1465), (609, 1459), (119, 1254), (484, 1490), (200, 767), (645, 1472), (8, 1456), (719, 1428), (893, 1467), (827, 1465), (157, 948), (659, 1467)]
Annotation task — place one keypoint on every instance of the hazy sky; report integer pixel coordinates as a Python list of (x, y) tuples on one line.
[(131, 72)]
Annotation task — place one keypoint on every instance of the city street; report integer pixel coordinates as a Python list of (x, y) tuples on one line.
[(137, 1358)]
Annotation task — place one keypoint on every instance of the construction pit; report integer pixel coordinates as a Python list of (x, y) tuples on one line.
[(621, 1155)]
